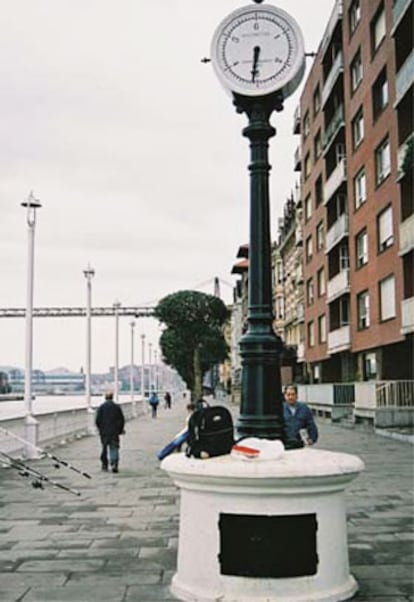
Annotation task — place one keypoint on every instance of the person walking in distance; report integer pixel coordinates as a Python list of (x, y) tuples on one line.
[(154, 401), (167, 400), (110, 422), (300, 427)]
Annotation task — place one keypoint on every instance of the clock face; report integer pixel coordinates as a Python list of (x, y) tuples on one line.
[(257, 50)]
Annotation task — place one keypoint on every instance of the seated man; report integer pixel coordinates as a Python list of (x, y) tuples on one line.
[(300, 427)]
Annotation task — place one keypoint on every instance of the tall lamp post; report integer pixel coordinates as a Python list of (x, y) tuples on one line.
[(116, 306), (150, 381), (142, 369), (31, 425), (131, 373), (89, 274)]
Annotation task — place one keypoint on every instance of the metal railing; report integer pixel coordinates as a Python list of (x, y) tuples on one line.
[(398, 393)]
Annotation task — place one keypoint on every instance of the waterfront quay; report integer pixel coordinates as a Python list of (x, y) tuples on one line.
[(118, 540)]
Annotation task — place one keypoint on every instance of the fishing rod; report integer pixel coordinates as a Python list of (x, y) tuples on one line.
[(58, 462), (24, 470)]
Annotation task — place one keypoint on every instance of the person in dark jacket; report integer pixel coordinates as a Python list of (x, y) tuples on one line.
[(110, 422), (300, 427)]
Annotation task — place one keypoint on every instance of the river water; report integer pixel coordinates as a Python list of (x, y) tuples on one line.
[(44, 404)]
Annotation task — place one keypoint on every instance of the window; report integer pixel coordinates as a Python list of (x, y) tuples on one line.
[(309, 291), (385, 229), (363, 310), (308, 207), (306, 125), (322, 328), (311, 334), (318, 191), (380, 94), (387, 298), (317, 144), (321, 282), (377, 29), (279, 272), (354, 15), (309, 249), (307, 166), (279, 308), (370, 366), (382, 161), (360, 188), (358, 128), (316, 100), (320, 236), (361, 248), (356, 71)]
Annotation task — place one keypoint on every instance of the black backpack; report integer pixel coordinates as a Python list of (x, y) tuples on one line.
[(210, 432)]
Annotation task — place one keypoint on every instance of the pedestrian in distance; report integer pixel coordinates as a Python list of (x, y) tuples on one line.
[(154, 401), (110, 422), (300, 427), (167, 400)]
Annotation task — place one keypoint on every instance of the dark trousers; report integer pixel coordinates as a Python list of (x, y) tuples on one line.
[(110, 450), (154, 408)]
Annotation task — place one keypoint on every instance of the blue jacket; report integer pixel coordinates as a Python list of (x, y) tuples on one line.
[(302, 419)]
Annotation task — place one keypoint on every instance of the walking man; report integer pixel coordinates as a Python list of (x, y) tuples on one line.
[(110, 422), (154, 401)]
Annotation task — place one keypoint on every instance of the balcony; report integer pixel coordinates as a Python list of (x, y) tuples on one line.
[(336, 15), (402, 150), (407, 235), (398, 10), (336, 232), (338, 285), (337, 177), (297, 159), (336, 69), (296, 120), (300, 353), (407, 315), (299, 236), (339, 340), (404, 79), (337, 122), (300, 312)]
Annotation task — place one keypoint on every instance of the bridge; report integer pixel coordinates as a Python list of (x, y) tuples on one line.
[(75, 312)]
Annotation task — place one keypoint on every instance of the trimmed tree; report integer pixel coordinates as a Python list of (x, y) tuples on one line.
[(193, 340)]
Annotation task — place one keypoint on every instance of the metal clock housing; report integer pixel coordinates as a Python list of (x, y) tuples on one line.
[(257, 50)]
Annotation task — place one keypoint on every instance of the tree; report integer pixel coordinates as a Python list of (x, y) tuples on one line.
[(193, 339)]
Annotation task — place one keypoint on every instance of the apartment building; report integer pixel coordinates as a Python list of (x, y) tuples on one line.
[(355, 122)]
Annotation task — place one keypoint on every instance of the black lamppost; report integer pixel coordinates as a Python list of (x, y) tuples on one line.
[(258, 55), (261, 412)]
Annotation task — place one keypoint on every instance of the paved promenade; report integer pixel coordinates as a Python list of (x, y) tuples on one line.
[(117, 542)]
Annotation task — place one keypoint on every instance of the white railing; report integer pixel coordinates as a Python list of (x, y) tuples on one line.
[(54, 427), (407, 235), (334, 181), (407, 315), (398, 393), (337, 231), (338, 285)]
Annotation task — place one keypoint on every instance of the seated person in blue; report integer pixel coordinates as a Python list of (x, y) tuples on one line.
[(300, 427)]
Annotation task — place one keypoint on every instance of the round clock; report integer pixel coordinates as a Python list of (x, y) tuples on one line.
[(257, 50)]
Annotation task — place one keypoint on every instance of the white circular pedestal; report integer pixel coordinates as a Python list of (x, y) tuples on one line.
[(302, 482)]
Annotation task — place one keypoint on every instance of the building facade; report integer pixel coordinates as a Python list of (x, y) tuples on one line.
[(355, 122)]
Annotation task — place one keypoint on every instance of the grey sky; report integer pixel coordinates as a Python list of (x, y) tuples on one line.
[(136, 154)]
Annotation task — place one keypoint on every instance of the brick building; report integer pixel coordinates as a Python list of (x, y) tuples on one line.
[(356, 130)]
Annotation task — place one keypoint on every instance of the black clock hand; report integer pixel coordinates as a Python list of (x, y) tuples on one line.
[(255, 71)]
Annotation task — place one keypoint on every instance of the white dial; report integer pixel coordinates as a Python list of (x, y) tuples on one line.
[(257, 50)]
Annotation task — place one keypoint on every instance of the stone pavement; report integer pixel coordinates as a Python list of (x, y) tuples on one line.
[(117, 542)]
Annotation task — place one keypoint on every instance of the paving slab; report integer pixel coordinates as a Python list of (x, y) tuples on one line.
[(118, 540)]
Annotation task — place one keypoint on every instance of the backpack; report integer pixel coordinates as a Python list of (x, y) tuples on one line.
[(210, 432)]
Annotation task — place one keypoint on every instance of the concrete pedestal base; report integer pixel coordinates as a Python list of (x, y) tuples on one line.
[(302, 482), (31, 435)]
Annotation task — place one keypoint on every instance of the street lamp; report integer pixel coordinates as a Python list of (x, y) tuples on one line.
[(31, 425), (131, 373), (142, 368), (116, 306), (150, 367), (89, 274)]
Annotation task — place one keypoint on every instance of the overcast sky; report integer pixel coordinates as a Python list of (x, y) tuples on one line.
[(136, 154)]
